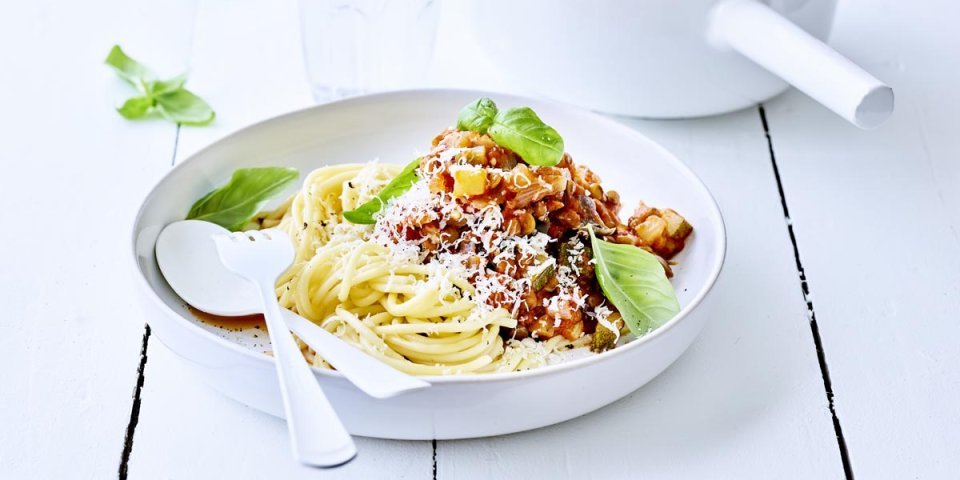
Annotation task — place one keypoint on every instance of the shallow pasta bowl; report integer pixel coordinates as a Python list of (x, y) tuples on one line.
[(396, 127)]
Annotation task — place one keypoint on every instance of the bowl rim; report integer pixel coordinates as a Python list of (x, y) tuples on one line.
[(714, 211)]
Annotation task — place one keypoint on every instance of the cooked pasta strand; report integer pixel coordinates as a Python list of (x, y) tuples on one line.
[(419, 320)]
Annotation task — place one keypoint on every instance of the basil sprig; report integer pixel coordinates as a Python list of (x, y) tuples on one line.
[(166, 97), (366, 213), (518, 128), (233, 205), (635, 282), (477, 116)]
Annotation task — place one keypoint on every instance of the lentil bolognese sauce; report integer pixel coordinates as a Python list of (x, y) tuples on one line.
[(492, 252)]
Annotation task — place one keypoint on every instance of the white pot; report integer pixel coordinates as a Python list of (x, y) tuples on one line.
[(676, 58)]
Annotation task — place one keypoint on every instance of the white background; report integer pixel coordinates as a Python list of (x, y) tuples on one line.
[(875, 225)]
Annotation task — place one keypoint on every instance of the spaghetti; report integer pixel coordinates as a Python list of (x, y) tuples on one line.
[(420, 318), (479, 263)]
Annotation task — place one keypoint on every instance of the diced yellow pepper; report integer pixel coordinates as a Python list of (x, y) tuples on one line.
[(469, 182)]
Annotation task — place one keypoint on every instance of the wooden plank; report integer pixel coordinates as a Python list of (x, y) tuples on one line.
[(246, 62), (877, 220), (747, 399), (188, 430), (74, 172)]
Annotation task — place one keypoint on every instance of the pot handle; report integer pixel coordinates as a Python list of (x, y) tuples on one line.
[(764, 36)]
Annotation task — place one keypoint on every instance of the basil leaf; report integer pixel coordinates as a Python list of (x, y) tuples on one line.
[(166, 86), (168, 97), (477, 116), (135, 107), (182, 106), (128, 68), (521, 130), (635, 282), (233, 205), (364, 214)]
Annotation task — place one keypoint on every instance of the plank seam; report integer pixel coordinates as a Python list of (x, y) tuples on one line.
[(434, 459), (141, 370), (176, 144), (808, 298), (135, 409)]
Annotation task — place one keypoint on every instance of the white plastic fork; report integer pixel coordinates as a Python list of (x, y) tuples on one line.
[(317, 436), (187, 256)]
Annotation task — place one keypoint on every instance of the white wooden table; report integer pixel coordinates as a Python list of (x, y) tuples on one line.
[(833, 351)]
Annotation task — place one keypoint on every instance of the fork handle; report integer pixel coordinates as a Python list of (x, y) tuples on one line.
[(318, 437)]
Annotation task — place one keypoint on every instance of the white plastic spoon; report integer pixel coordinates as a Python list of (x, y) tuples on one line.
[(190, 263)]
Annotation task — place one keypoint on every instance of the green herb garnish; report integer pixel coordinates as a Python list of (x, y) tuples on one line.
[(519, 129), (233, 205), (635, 282), (364, 214), (166, 97), (477, 116)]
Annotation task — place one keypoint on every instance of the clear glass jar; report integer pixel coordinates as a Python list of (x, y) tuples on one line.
[(352, 47)]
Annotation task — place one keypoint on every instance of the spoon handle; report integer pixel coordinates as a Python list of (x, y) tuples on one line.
[(318, 437)]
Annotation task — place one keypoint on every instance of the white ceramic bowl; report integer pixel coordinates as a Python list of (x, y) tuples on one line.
[(394, 127)]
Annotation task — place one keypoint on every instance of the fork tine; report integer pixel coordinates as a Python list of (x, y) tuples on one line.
[(249, 236), (271, 234)]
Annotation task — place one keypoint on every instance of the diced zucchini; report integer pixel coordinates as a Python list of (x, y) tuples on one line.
[(651, 230), (603, 339), (677, 226), (543, 275)]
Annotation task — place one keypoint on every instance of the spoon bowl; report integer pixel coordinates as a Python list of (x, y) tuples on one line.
[(188, 259)]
